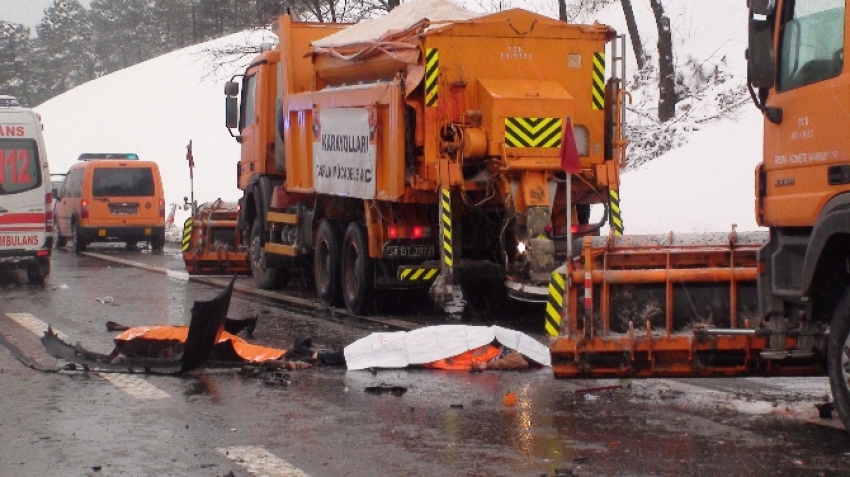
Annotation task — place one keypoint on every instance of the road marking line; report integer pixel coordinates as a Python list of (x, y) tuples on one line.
[(132, 385), (259, 461), (35, 325)]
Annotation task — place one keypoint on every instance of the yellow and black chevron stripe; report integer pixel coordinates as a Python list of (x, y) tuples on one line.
[(432, 71), (614, 206), (533, 132), (555, 303), (187, 234), (417, 274), (598, 101), (446, 214)]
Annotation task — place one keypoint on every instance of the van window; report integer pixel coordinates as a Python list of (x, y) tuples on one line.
[(122, 182), (19, 166), (73, 184)]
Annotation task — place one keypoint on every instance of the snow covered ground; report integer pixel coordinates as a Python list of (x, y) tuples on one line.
[(705, 183)]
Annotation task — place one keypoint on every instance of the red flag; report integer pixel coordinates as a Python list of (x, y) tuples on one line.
[(570, 162)]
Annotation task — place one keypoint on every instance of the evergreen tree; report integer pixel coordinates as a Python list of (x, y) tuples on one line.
[(63, 53), (14, 54)]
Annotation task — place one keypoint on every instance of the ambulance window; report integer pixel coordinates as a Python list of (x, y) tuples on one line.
[(249, 101), (122, 182), (19, 166)]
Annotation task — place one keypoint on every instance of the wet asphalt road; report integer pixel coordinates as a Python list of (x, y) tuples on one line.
[(321, 422)]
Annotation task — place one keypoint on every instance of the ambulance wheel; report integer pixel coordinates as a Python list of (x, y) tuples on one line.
[(79, 241), (326, 263), (357, 274), (264, 278), (37, 272), (59, 240), (838, 358)]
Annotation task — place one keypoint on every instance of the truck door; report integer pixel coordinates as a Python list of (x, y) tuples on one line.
[(812, 93), (249, 127)]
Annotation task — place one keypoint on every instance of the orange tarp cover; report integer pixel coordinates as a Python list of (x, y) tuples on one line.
[(465, 361), (247, 351)]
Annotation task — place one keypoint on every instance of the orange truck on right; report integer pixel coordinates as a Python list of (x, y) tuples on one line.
[(734, 303)]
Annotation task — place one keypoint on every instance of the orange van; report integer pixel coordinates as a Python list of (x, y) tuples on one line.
[(111, 198)]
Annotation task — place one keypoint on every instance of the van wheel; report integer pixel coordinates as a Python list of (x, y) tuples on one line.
[(79, 241), (157, 242), (37, 272), (59, 240), (357, 272), (264, 278), (130, 245), (326, 263), (838, 358)]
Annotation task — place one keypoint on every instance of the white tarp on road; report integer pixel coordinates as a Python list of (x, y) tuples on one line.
[(403, 348)]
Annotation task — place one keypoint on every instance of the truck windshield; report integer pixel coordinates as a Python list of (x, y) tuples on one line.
[(19, 166), (812, 45), (122, 182)]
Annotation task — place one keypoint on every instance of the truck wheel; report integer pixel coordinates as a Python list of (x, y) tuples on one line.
[(79, 241), (326, 263), (58, 239), (838, 358), (37, 272), (356, 268), (264, 278)]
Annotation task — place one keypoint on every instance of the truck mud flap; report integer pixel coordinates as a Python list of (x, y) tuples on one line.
[(205, 329)]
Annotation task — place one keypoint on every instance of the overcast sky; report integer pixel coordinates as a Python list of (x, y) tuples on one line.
[(27, 12)]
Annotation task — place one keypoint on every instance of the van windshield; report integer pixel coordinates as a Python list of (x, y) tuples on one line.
[(19, 166), (122, 182)]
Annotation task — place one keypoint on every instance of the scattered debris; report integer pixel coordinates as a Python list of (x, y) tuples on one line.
[(277, 378), (509, 399), (105, 300), (825, 410), (456, 406), (386, 389)]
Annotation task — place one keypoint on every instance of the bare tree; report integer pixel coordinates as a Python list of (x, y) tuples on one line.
[(666, 73), (637, 46)]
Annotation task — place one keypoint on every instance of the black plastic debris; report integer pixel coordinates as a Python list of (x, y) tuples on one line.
[(386, 389), (563, 472), (456, 406), (825, 410)]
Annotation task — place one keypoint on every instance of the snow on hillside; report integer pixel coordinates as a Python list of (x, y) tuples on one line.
[(705, 183)]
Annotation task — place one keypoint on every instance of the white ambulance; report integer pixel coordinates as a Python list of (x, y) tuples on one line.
[(26, 204)]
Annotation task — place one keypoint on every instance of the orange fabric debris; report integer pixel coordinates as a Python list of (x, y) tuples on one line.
[(249, 352), (465, 361)]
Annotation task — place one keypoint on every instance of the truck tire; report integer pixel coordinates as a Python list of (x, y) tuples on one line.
[(264, 278), (37, 272), (357, 275), (59, 240), (79, 241), (838, 358), (326, 263)]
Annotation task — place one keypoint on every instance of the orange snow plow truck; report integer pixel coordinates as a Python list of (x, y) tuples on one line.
[(399, 153), (728, 304)]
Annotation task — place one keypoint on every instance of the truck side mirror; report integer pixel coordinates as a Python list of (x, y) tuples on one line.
[(231, 112), (762, 7), (231, 88), (761, 57)]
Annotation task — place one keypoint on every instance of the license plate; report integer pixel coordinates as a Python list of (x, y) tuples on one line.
[(409, 251), (124, 210)]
